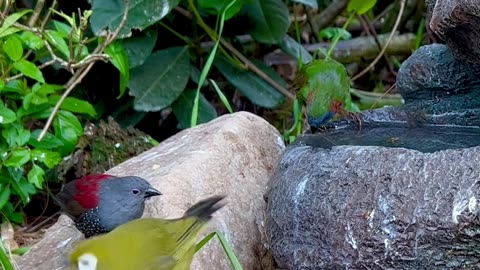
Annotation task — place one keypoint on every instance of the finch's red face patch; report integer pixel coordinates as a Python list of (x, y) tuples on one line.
[(88, 188)]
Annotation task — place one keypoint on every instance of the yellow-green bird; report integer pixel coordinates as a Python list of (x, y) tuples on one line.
[(148, 243)]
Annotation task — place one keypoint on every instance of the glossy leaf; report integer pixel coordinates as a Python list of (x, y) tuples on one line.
[(6, 115), (360, 6), (216, 7), (295, 49), (12, 18), (23, 189), (7, 28), (31, 40), (33, 99), (257, 90), (182, 108), (13, 48), (119, 59), (161, 79), (270, 19), (310, 3), (139, 47), (36, 176), (17, 158), (49, 141), (29, 69), (45, 89), (15, 134), (47, 157), (75, 105), (107, 14), (58, 42), (4, 196), (67, 128)]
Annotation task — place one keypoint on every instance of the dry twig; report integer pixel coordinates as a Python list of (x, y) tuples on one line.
[(372, 64)]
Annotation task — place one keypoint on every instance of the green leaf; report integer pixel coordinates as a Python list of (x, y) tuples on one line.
[(74, 105), (12, 18), (36, 176), (36, 112), (29, 69), (17, 158), (49, 141), (46, 89), (250, 85), (216, 7), (31, 40), (6, 115), (15, 134), (6, 28), (9, 31), (67, 128), (19, 87), (310, 3), (47, 157), (63, 29), (161, 79), (33, 98), (331, 32), (107, 14), (360, 6), (4, 196), (13, 48), (58, 42), (295, 49), (139, 47), (119, 59), (270, 19), (182, 108), (24, 189)]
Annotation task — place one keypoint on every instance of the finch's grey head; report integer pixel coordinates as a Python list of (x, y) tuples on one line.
[(123, 199)]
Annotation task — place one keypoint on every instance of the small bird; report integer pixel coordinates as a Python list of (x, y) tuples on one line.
[(147, 243), (99, 203), (324, 87)]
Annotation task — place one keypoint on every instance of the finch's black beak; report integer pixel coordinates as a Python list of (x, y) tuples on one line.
[(150, 192)]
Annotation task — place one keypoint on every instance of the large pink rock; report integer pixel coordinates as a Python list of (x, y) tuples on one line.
[(233, 155)]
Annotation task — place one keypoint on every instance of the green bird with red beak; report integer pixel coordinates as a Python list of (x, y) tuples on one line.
[(324, 89)]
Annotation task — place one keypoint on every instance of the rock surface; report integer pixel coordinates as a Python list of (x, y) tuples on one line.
[(370, 207), (434, 81), (457, 23), (233, 155)]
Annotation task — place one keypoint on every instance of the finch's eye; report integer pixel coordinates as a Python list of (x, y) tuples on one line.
[(135, 191)]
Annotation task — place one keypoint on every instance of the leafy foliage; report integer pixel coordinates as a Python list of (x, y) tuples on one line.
[(157, 77), (27, 99)]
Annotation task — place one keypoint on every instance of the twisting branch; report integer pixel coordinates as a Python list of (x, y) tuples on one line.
[(83, 71), (374, 62)]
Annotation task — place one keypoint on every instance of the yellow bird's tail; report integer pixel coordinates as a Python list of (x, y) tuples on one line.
[(204, 209)]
